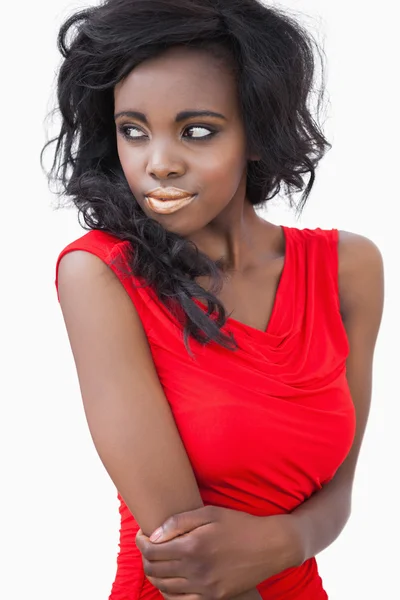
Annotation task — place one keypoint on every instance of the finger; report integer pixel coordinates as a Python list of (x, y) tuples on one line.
[(152, 552), (162, 568), (141, 540), (170, 586), (182, 523), (176, 549)]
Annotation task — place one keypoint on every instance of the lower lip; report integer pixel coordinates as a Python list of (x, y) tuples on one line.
[(167, 207)]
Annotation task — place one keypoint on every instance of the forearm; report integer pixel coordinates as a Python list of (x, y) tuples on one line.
[(319, 521)]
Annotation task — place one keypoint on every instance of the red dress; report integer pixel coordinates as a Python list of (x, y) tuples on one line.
[(264, 427)]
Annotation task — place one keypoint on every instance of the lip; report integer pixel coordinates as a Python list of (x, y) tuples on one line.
[(167, 207), (168, 193)]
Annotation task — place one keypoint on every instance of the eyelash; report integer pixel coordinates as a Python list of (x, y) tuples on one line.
[(123, 130)]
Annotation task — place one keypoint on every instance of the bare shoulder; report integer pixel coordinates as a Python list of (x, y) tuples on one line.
[(358, 252), (80, 267), (361, 281), (99, 315), (85, 279)]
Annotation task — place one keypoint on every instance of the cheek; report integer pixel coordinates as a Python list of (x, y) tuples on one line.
[(131, 166), (123, 156), (223, 167)]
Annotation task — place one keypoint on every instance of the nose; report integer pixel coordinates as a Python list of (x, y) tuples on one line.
[(162, 164)]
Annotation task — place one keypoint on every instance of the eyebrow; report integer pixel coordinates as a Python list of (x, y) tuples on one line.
[(182, 116)]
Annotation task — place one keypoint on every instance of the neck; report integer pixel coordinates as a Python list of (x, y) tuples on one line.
[(237, 238)]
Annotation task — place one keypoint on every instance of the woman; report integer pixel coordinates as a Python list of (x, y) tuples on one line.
[(224, 362)]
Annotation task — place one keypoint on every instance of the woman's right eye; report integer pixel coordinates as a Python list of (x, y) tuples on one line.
[(124, 129)]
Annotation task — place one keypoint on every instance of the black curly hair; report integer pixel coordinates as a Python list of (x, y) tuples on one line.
[(274, 62)]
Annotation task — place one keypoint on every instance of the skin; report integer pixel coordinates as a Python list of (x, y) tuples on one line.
[(221, 222), (127, 412)]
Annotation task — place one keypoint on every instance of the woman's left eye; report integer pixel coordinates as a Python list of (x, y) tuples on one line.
[(198, 130)]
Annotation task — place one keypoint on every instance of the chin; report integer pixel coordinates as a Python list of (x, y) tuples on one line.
[(182, 229), (183, 222)]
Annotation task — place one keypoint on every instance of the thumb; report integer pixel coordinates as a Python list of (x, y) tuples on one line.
[(180, 524)]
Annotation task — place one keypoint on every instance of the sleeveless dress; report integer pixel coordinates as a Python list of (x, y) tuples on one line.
[(265, 426)]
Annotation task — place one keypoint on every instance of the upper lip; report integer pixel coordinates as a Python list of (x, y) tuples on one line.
[(169, 193)]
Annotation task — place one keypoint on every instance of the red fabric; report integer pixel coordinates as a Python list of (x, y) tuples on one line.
[(265, 426)]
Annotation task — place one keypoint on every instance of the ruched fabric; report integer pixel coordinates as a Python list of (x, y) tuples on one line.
[(265, 426)]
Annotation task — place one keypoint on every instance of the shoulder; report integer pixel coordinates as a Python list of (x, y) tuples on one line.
[(360, 267), (358, 253), (96, 247), (97, 241), (92, 292), (82, 273), (98, 266), (361, 282), (359, 275), (359, 258)]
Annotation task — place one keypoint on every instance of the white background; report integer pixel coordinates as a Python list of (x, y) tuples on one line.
[(59, 511)]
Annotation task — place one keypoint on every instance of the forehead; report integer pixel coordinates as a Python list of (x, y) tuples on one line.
[(179, 79)]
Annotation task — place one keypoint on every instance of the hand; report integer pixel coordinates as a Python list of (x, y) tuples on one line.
[(216, 553)]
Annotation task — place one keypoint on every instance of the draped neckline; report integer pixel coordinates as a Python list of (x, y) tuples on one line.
[(280, 309)]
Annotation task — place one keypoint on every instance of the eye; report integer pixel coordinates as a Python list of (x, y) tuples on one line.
[(132, 133), (198, 129), (125, 129)]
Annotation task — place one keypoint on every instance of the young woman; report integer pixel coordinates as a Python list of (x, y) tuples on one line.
[(224, 362)]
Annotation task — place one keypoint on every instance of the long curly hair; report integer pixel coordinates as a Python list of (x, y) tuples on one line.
[(274, 63)]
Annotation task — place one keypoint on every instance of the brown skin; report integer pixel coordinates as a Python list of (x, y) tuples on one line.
[(221, 222), (224, 552)]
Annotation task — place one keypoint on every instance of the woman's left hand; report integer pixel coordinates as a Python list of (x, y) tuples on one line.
[(217, 553)]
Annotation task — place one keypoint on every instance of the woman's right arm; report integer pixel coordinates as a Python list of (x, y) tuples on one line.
[(128, 415), (129, 418)]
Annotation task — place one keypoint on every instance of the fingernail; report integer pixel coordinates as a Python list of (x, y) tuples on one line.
[(156, 535)]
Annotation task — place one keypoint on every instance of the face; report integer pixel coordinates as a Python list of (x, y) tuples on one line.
[(181, 139)]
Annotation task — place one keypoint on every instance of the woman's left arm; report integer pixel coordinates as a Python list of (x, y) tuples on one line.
[(320, 520)]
